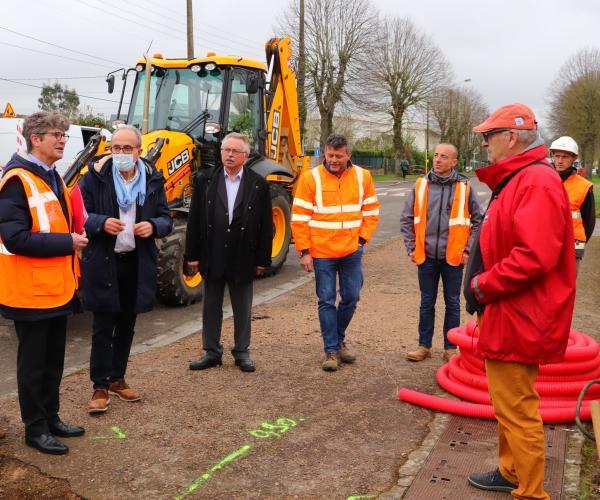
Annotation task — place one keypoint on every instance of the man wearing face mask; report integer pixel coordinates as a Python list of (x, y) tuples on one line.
[(127, 209)]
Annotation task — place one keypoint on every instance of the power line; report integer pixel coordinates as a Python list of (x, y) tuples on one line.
[(179, 21), (60, 78), (59, 46), (54, 55), (40, 87), (154, 24)]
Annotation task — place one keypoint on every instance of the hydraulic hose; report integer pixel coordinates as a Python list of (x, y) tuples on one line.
[(565, 388)]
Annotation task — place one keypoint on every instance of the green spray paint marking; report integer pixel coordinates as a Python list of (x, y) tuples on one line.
[(119, 434), (215, 468), (268, 430)]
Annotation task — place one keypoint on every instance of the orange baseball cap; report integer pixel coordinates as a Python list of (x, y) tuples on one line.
[(516, 116)]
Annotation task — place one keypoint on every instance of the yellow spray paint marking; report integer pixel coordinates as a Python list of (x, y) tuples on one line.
[(119, 434), (240, 452), (268, 430), (362, 497)]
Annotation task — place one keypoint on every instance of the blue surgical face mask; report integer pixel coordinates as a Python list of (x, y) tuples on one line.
[(124, 162)]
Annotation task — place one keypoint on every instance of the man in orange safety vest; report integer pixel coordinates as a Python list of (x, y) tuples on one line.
[(334, 214)]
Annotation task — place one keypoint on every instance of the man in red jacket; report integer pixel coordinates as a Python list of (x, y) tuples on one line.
[(521, 281)]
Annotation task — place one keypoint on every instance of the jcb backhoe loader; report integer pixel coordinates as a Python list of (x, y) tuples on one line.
[(191, 106)]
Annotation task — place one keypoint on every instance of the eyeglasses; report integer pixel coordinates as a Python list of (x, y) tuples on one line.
[(122, 149), (59, 136), (233, 151), (490, 133)]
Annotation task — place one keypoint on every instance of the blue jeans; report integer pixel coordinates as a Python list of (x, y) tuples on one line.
[(334, 320), (429, 278)]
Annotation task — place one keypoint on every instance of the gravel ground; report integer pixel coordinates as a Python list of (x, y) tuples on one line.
[(289, 430)]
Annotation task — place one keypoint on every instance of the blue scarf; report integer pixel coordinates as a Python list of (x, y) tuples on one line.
[(129, 192)]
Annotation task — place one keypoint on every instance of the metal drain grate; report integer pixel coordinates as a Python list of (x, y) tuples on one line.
[(470, 445)]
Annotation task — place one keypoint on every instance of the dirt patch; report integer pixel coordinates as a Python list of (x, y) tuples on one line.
[(289, 430), (26, 482)]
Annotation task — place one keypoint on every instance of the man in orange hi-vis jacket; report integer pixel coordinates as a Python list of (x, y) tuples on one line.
[(334, 214)]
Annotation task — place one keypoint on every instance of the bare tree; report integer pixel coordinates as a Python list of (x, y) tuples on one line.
[(456, 111), (405, 68), (575, 103), (336, 38)]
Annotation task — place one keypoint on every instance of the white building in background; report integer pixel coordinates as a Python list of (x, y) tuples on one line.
[(373, 126)]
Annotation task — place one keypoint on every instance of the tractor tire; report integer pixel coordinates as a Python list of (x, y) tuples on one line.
[(173, 287), (282, 229)]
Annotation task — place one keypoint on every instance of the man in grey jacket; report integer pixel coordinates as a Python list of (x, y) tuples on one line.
[(438, 221)]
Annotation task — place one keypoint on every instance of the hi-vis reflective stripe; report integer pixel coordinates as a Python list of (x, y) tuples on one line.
[(361, 188), (336, 209), (4, 250), (318, 188), (458, 221), (367, 213), (420, 197), (370, 199), (300, 218), (417, 220), (461, 220), (38, 201), (576, 215), (303, 203), (335, 225)]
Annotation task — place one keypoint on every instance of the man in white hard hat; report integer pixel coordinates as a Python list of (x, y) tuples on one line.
[(564, 152)]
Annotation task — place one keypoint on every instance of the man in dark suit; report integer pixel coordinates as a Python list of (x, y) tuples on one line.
[(229, 239)]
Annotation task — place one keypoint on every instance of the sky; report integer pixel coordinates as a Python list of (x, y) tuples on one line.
[(509, 50)]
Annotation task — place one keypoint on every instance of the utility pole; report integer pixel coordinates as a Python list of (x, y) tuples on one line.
[(190, 30), (301, 73)]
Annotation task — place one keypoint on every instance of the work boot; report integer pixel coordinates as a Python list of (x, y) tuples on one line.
[(491, 481), (345, 355), (419, 354), (126, 393), (99, 401), (449, 354), (331, 362)]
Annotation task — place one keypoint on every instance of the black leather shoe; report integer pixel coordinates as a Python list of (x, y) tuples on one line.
[(246, 365), (205, 362), (59, 428), (46, 444)]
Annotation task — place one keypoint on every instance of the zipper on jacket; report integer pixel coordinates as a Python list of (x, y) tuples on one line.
[(437, 241)]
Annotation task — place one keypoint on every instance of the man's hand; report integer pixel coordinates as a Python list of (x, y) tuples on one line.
[(260, 270), (143, 229), (100, 163), (464, 259), (80, 241), (113, 226), (306, 262), (412, 257), (192, 267)]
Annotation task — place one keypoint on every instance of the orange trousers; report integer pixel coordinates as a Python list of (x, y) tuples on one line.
[(521, 443)]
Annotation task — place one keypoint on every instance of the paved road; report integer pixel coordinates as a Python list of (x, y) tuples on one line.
[(167, 324)]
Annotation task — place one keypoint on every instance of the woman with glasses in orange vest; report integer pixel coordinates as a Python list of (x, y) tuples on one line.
[(39, 270)]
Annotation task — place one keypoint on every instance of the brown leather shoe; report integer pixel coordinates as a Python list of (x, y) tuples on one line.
[(449, 354), (126, 393), (99, 401), (419, 354), (345, 355), (331, 362)]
